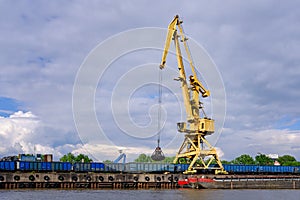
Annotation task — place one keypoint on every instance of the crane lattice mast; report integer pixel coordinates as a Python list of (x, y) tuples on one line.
[(195, 148)]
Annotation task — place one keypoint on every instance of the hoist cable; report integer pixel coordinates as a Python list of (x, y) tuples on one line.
[(158, 155), (159, 107)]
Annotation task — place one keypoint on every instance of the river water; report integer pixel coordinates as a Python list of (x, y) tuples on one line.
[(151, 194)]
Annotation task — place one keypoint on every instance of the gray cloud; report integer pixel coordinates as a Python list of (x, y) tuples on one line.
[(254, 44)]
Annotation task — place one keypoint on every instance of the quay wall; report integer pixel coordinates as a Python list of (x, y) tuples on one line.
[(72, 180), (88, 180)]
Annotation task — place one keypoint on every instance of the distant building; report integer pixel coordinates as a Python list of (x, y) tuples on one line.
[(276, 163), (273, 156)]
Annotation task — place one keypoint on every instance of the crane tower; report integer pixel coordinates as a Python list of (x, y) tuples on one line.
[(195, 149)]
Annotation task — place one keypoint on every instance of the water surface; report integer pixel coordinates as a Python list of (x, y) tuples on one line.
[(151, 194)]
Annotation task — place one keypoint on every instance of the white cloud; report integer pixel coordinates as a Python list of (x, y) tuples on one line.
[(15, 129), (220, 153), (22, 132)]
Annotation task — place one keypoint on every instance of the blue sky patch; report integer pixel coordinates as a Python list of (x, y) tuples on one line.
[(8, 106), (288, 123)]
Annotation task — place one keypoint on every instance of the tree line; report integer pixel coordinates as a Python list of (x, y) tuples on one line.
[(262, 159), (245, 159)]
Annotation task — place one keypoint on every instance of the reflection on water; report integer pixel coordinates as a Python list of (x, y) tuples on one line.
[(151, 194)]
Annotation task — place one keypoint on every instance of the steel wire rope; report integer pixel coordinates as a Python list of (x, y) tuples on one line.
[(159, 107), (158, 155)]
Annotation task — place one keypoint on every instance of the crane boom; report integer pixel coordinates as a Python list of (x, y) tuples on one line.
[(172, 35), (197, 126), (171, 30)]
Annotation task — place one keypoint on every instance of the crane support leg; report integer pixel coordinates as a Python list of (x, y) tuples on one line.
[(199, 153)]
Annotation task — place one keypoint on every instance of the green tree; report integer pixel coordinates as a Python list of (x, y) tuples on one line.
[(72, 158), (293, 163), (107, 161), (226, 162), (287, 160), (68, 158), (244, 160), (143, 158), (83, 158), (169, 159), (262, 159), (183, 161)]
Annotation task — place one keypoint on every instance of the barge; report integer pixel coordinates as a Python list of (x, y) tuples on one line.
[(242, 182)]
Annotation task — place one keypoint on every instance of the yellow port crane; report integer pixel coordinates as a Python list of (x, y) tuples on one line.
[(195, 149)]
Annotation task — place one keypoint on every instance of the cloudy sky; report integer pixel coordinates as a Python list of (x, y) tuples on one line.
[(45, 46)]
